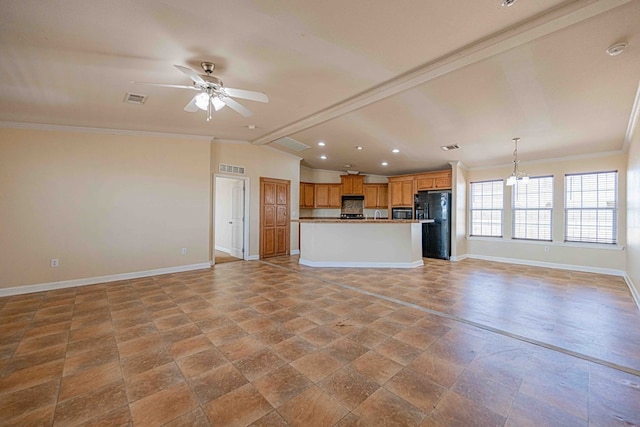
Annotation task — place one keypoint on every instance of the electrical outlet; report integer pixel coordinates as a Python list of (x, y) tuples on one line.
[(55, 262), (546, 248), (184, 251)]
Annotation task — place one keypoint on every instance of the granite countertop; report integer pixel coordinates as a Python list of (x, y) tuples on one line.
[(364, 221)]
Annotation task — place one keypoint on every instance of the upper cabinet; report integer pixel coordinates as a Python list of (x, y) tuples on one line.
[(376, 196), (352, 184), (307, 195), (328, 195), (401, 190), (440, 180)]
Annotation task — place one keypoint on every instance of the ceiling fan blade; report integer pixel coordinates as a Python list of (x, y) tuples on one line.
[(191, 107), (167, 85), (191, 74), (235, 106), (247, 94)]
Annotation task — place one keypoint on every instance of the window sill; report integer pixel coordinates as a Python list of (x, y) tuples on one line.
[(547, 243)]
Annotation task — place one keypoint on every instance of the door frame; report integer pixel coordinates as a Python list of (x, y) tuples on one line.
[(245, 228)]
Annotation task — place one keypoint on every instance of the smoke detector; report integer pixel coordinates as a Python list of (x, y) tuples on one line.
[(616, 49)]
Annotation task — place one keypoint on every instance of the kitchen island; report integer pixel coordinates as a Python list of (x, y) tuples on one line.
[(380, 243)]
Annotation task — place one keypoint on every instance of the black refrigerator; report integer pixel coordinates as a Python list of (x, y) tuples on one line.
[(436, 236)]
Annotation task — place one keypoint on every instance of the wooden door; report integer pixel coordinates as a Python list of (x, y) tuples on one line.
[(274, 217)]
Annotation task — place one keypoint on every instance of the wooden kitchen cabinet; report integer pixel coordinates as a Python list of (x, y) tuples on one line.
[(376, 196), (307, 193), (401, 190), (328, 195), (352, 184), (440, 180)]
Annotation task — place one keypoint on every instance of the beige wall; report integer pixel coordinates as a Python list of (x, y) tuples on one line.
[(102, 204), (594, 257), (459, 187), (260, 161), (633, 215)]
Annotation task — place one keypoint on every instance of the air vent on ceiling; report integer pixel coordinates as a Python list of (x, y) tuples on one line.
[(132, 98), (239, 170), (291, 144), (450, 147)]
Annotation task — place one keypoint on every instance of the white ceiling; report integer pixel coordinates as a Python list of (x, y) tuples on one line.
[(413, 75)]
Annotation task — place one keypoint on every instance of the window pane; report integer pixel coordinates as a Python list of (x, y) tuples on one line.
[(532, 206), (486, 200), (591, 207)]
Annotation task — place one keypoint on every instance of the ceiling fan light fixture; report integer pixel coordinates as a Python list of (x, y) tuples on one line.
[(202, 101), (218, 104)]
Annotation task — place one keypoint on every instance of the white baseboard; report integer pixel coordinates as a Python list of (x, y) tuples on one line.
[(634, 291), (295, 252), (221, 249), (458, 258), (43, 287), (572, 267), (339, 264), (253, 257)]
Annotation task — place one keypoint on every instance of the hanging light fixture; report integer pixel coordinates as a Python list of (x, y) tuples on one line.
[(516, 175)]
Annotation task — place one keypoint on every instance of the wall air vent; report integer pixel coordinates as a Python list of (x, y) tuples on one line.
[(238, 170), (450, 147), (291, 144), (132, 98)]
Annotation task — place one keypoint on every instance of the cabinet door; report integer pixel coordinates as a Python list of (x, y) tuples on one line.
[(357, 184), (321, 196), (425, 183), (371, 196), (383, 196), (395, 187), (335, 196), (407, 193), (308, 199), (443, 182)]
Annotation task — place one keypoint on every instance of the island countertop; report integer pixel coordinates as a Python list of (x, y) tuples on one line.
[(363, 221)]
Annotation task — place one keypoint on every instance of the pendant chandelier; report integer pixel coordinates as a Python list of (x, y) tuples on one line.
[(516, 175)]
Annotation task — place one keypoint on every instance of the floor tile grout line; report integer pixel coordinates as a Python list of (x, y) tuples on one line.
[(522, 338)]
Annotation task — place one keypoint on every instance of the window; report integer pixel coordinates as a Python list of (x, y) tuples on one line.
[(532, 209), (486, 208), (591, 207)]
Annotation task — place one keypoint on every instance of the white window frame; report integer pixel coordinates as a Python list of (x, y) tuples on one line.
[(532, 214), (598, 210), (488, 211)]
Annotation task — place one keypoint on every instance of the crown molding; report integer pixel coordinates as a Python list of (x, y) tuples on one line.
[(103, 131), (633, 121)]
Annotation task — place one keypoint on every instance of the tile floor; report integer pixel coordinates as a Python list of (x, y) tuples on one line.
[(276, 344)]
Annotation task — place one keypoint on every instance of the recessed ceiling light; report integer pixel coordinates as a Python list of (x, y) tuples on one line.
[(616, 49), (384, 164), (323, 157), (347, 165), (395, 150), (508, 2), (321, 144), (359, 147)]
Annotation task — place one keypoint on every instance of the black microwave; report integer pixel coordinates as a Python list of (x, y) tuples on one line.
[(402, 213)]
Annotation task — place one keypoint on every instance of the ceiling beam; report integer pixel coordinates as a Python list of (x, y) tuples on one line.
[(538, 26)]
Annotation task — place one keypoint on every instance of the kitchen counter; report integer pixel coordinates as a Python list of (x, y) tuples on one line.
[(365, 221), (380, 243)]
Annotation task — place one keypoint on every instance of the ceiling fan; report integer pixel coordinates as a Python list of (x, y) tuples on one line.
[(212, 92)]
